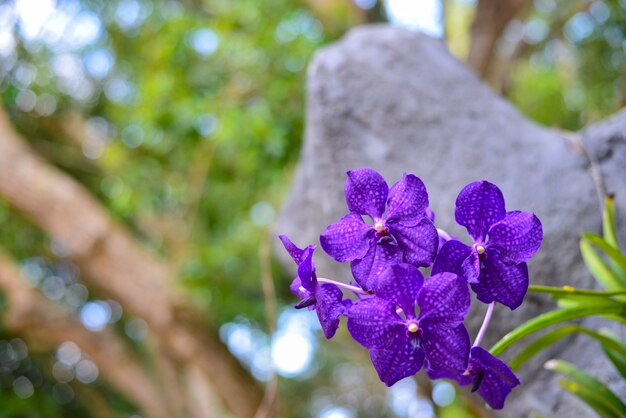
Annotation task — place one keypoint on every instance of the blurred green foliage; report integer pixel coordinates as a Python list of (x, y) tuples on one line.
[(185, 118), (574, 61)]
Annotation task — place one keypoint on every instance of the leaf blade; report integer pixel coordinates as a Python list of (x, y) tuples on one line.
[(552, 318), (600, 396)]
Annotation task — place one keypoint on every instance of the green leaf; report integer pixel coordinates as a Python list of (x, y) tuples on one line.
[(617, 357), (609, 226), (570, 296), (595, 393), (538, 345), (589, 397), (553, 336), (552, 318), (617, 260), (598, 267), (566, 291)]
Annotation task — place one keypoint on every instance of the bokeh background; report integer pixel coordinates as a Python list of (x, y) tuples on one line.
[(169, 131)]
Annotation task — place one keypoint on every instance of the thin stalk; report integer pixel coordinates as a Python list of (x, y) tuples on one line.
[(354, 289), (483, 327)]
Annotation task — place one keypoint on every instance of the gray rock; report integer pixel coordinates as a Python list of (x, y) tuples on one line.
[(397, 101)]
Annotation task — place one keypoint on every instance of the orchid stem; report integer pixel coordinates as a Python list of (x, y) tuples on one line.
[(483, 327), (354, 289)]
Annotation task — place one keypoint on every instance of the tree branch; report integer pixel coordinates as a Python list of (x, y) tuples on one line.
[(114, 262), (46, 326), (490, 19)]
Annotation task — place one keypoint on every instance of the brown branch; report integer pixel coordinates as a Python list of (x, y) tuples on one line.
[(269, 406), (490, 19), (46, 326), (114, 262)]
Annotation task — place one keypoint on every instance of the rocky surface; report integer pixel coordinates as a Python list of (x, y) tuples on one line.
[(398, 101)]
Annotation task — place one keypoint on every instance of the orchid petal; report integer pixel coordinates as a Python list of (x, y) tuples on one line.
[(366, 192), (501, 282), (497, 378), (400, 284), (298, 290), (444, 300), (380, 256), (348, 239), (518, 235), (408, 201), (306, 270), (329, 307), (295, 252), (450, 258), (471, 266), (401, 359), (419, 243), (446, 348), (478, 206), (373, 322)]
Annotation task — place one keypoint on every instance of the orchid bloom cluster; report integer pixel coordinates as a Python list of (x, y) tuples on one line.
[(405, 320)]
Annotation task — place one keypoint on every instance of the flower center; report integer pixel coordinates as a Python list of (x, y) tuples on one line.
[(413, 327), (379, 226), (302, 289), (480, 249)]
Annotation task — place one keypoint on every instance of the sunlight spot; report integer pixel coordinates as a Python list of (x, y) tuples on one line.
[(99, 63), (86, 371), (95, 315), (262, 214), (443, 393), (68, 353), (423, 15), (292, 353), (204, 42), (32, 15), (337, 412), (23, 387), (136, 328)]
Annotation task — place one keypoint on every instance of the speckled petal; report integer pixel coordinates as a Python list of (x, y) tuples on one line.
[(444, 300), (518, 235), (419, 243), (497, 378), (295, 286), (329, 307), (306, 270), (366, 192), (348, 239), (400, 284), (450, 258), (408, 201), (446, 348), (373, 322), (401, 359), (380, 256), (471, 266), (461, 378), (478, 206), (501, 282), (292, 249)]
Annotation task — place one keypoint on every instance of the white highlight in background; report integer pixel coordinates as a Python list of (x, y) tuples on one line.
[(423, 15)]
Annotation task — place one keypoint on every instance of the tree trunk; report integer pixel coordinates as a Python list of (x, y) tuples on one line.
[(490, 19), (46, 326), (111, 260)]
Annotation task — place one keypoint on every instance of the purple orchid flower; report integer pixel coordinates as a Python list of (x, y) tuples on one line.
[(489, 376), (401, 342), (495, 265), (324, 298), (402, 233)]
